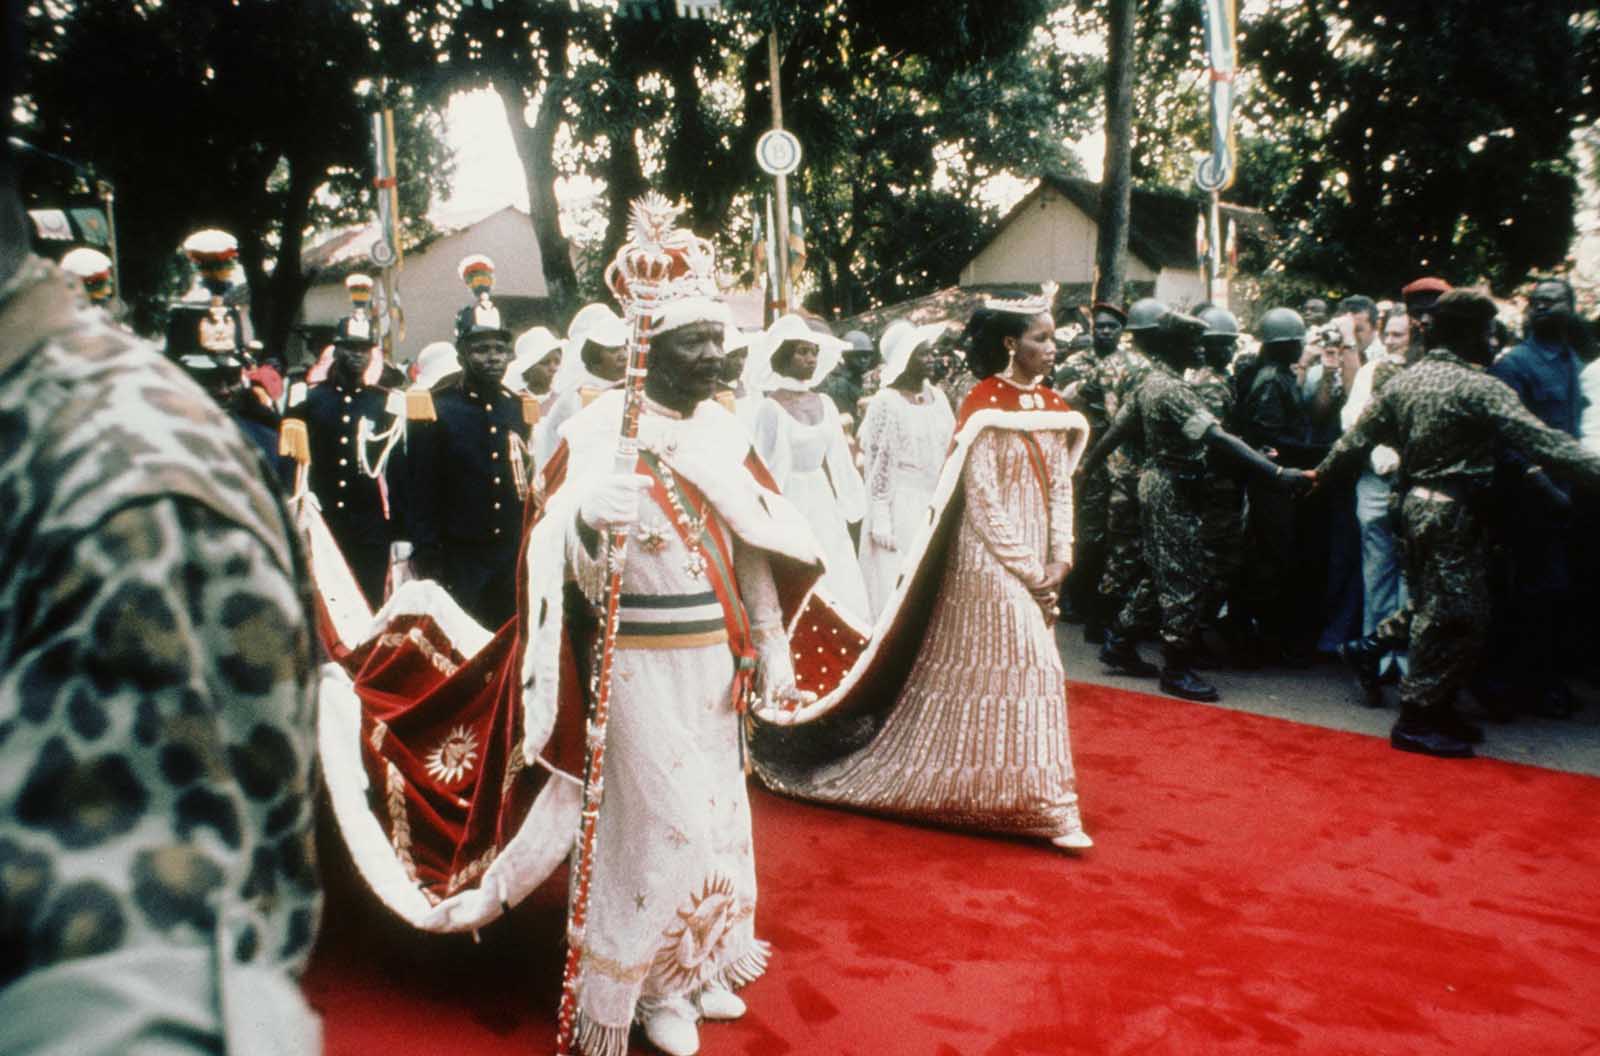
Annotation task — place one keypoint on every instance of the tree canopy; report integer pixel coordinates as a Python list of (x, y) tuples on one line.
[(221, 115), (1392, 140)]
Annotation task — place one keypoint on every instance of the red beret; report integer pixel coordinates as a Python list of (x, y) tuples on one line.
[(1102, 306), (1424, 285)]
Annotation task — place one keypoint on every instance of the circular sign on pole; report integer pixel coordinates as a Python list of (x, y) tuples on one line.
[(382, 253), (1211, 173), (778, 152)]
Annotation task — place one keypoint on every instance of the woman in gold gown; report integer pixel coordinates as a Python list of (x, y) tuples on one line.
[(956, 712)]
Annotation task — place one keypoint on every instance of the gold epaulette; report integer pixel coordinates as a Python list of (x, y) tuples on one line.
[(530, 409), (725, 397), (419, 406), (294, 441), (587, 394)]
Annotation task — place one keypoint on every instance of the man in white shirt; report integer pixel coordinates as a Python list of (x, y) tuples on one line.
[(1382, 572)]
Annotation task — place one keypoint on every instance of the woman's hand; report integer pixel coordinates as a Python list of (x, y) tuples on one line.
[(1046, 591), (1054, 574)]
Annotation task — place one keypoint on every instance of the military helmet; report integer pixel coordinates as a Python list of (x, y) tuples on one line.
[(1281, 324), (1145, 314), (1219, 322)]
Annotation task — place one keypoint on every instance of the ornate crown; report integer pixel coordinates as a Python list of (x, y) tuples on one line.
[(1044, 302), (660, 262)]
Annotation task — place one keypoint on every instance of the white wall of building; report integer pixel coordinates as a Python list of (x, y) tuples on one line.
[(1181, 288), (1052, 240)]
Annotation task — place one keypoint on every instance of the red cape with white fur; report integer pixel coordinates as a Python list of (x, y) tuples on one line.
[(451, 755)]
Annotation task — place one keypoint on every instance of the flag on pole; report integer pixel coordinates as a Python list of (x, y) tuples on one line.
[(1222, 32), (770, 247), (797, 243)]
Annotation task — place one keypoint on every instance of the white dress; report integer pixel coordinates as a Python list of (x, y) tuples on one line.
[(903, 446), (813, 469)]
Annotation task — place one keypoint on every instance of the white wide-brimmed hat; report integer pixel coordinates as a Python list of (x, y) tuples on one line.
[(594, 322), (436, 361), (899, 346), (758, 373), (532, 347)]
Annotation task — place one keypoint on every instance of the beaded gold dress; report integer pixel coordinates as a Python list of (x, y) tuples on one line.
[(977, 734)]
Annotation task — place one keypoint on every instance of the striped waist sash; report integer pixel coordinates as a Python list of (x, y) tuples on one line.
[(671, 621)]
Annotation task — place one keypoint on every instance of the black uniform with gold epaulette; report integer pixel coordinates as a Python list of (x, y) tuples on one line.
[(351, 499), (465, 510)]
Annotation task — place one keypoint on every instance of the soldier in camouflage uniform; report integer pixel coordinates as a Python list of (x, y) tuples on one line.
[(158, 891), (1125, 563), (1083, 380), (1222, 498), (1445, 416), (1181, 437)]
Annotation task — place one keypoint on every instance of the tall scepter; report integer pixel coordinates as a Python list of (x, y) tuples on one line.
[(659, 263)]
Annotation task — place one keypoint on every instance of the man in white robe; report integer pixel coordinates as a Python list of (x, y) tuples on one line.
[(713, 553)]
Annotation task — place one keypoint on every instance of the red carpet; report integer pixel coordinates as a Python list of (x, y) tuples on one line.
[(1258, 886)]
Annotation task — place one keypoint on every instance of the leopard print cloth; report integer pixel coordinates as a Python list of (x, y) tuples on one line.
[(156, 696)]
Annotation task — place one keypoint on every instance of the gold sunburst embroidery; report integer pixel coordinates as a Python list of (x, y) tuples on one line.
[(690, 946), (455, 756)]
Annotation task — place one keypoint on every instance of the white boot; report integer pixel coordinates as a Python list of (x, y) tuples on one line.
[(718, 1002), (1076, 840), (671, 1028)]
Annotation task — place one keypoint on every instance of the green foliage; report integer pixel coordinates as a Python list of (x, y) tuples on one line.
[(903, 121), (1392, 140)]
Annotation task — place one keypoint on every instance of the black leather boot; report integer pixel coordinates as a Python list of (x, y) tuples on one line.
[(1179, 680), (1120, 654), (1362, 656), (1416, 731)]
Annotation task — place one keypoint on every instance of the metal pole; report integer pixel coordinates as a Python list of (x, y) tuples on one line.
[(391, 307), (1215, 291), (782, 181)]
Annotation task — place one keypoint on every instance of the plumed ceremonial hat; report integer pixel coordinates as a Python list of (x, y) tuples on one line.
[(474, 264), (481, 332)]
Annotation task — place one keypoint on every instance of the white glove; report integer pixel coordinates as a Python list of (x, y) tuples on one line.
[(882, 530), (1385, 460), (614, 502), (775, 688), (467, 910)]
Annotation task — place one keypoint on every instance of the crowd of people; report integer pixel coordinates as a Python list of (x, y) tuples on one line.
[(1288, 579)]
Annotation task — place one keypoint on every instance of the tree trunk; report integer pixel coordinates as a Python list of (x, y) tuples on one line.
[(275, 299), (1111, 250), (289, 281), (624, 182), (535, 149)]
